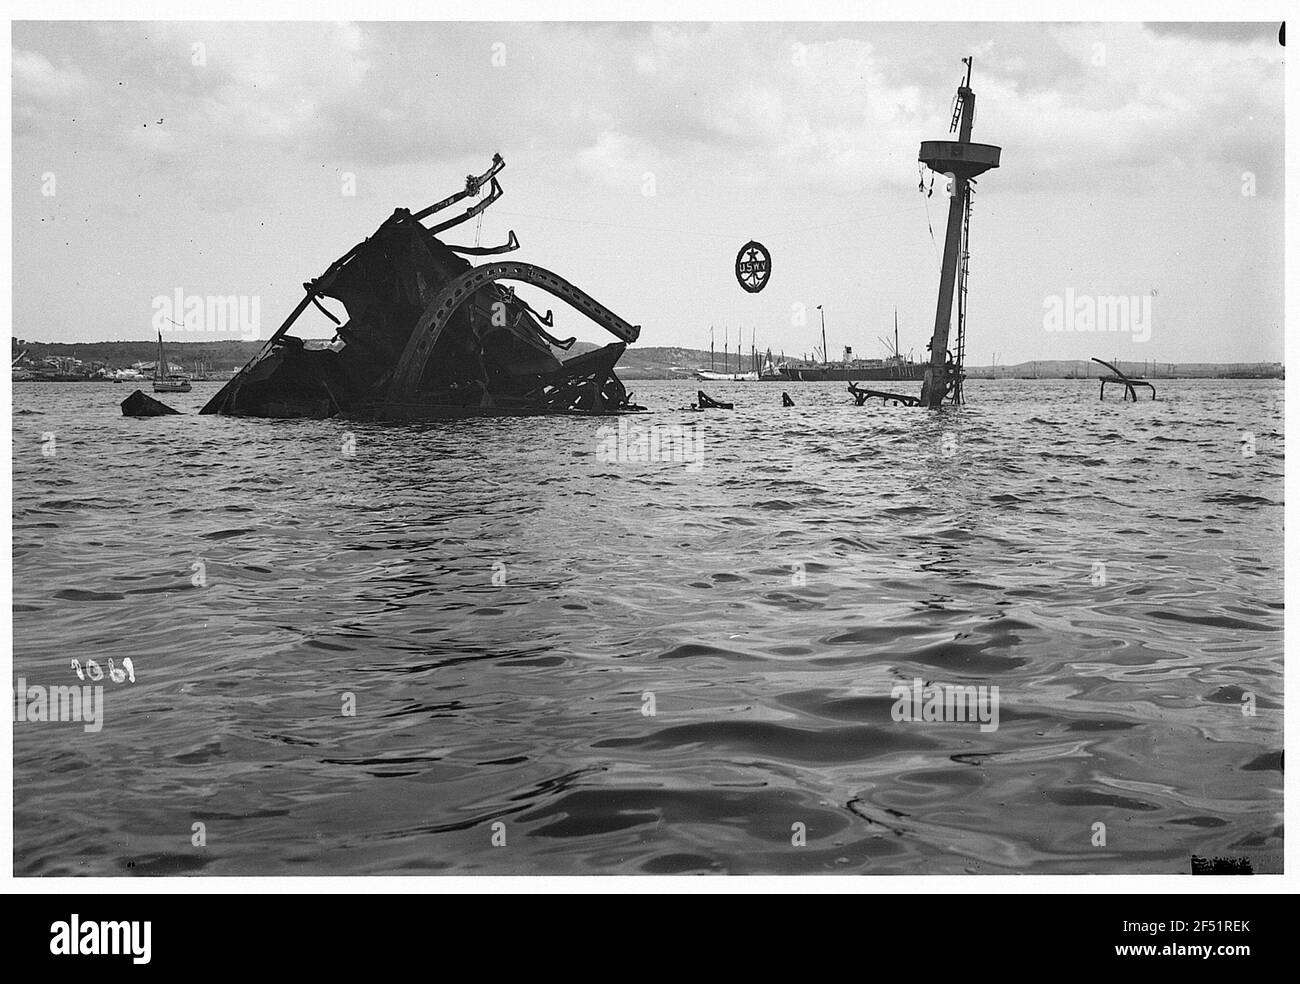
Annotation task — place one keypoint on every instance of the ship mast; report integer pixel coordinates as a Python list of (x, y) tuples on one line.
[(960, 161)]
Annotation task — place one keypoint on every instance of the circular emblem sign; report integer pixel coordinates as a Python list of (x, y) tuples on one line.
[(753, 266)]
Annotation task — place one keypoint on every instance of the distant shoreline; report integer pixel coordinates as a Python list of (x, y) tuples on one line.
[(221, 359), (635, 375)]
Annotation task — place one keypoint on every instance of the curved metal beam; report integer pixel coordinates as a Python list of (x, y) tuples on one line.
[(1103, 362), (1125, 381), (427, 331), (472, 186), (511, 245), (494, 192)]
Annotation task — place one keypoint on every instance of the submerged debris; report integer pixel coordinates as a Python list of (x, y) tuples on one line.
[(1127, 382), (429, 335), (861, 396), (706, 402), (141, 404)]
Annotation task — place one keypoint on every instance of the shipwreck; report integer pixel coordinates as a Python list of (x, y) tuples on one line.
[(429, 335), (961, 161)]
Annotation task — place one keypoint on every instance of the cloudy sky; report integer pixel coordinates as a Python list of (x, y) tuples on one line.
[(214, 158)]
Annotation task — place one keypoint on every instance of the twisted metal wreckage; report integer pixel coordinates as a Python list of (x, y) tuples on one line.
[(428, 335)]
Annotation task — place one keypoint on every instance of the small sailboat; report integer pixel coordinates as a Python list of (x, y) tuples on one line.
[(164, 380)]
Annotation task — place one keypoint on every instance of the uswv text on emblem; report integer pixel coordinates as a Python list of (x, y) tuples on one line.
[(753, 266)]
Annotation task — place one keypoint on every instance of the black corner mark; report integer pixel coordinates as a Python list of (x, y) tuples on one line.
[(1221, 866)]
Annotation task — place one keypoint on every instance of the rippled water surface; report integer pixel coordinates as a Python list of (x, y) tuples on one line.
[(505, 609)]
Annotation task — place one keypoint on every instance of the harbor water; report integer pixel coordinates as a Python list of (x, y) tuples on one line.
[(518, 646)]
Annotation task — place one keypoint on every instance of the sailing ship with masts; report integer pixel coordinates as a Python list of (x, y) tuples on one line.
[(164, 380), (711, 375)]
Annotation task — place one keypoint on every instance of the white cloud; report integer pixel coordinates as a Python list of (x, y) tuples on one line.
[(39, 82), (616, 160)]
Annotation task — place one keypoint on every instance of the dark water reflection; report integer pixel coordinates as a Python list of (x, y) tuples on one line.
[(766, 604)]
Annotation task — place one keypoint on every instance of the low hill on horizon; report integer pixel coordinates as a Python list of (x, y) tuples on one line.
[(639, 362)]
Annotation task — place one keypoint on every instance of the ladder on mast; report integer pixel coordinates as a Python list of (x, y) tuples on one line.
[(963, 272)]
